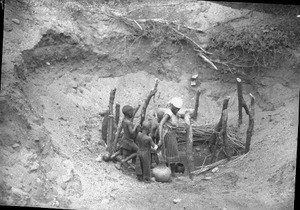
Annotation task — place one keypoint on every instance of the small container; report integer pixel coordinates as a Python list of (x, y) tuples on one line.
[(162, 173), (179, 168)]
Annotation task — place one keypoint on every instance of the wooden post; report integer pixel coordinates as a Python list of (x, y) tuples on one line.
[(104, 126), (136, 110), (110, 134), (195, 113), (225, 106), (145, 105), (189, 145), (117, 118), (251, 123), (214, 138), (223, 133), (241, 101)]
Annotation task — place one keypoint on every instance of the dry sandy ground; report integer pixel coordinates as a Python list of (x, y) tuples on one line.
[(50, 119)]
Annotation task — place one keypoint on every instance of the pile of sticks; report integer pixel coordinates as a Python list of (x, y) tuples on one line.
[(202, 134)]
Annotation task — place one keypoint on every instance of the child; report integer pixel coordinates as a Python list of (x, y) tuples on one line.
[(143, 162), (128, 145), (154, 131)]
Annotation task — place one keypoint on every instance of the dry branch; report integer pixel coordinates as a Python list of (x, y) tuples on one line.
[(251, 124), (145, 105), (139, 30), (208, 167), (191, 40)]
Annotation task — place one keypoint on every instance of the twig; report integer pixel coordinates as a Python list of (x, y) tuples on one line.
[(138, 25), (207, 60), (191, 41)]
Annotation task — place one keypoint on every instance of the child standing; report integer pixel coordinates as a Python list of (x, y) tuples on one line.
[(143, 162)]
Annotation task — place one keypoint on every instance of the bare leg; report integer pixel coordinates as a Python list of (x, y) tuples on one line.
[(172, 166), (128, 158), (115, 154)]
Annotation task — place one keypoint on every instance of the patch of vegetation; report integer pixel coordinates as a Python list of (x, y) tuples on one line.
[(256, 48), (74, 9)]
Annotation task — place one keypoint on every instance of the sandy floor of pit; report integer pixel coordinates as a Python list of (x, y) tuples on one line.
[(262, 179)]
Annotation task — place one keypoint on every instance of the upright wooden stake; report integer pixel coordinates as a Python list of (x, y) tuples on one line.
[(104, 126), (214, 138), (189, 145), (110, 134), (223, 132), (241, 101), (224, 107), (251, 123), (195, 113), (117, 118), (145, 105)]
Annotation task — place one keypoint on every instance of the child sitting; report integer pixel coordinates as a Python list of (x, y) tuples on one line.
[(143, 161), (128, 146)]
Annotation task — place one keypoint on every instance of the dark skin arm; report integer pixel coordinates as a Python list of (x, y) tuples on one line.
[(132, 130), (151, 142), (154, 129), (162, 122)]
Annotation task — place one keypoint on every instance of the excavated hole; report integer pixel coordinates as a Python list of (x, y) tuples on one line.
[(62, 58)]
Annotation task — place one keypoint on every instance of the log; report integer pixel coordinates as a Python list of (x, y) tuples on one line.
[(241, 101), (202, 169), (145, 105), (110, 130), (195, 112), (189, 145), (251, 123), (208, 167)]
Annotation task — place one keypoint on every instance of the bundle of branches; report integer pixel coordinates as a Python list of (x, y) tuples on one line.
[(155, 28), (255, 48), (202, 133)]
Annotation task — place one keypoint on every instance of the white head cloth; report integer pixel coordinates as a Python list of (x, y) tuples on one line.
[(177, 102)]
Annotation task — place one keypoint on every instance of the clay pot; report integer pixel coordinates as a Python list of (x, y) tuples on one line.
[(179, 168), (162, 173)]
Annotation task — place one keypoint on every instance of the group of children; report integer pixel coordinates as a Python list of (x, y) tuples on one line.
[(141, 141)]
